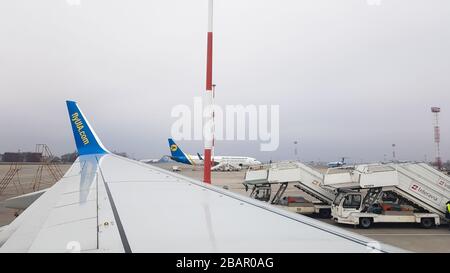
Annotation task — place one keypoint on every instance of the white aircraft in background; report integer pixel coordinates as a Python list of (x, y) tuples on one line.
[(336, 164), (108, 203), (179, 156), (148, 161)]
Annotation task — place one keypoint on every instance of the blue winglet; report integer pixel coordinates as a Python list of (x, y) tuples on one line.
[(85, 138)]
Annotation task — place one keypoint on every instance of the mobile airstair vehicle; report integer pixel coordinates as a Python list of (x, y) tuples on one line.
[(305, 178), (389, 193)]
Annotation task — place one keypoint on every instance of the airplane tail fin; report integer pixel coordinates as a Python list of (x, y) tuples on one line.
[(200, 157), (86, 139), (175, 150)]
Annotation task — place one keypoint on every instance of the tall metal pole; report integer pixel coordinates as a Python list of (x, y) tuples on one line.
[(393, 152), (296, 150), (437, 135), (208, 136)]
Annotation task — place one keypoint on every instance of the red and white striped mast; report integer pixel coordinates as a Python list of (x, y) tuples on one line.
[(437, 136), (208, 134)]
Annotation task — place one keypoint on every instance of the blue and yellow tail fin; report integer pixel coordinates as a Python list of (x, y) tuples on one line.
[(174, 149), (177, 153), (85, 138)]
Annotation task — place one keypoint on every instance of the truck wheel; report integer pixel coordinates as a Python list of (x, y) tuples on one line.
[(427, 222), (325, 213), (365, 222)]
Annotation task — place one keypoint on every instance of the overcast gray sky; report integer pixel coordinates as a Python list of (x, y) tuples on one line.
[(350, 78)]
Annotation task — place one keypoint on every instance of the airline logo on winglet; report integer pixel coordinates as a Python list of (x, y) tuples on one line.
[(80, 126)]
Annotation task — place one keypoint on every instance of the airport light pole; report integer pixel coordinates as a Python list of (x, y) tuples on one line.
[(437, 136), (296, 150), (393, 152), (207, 126)]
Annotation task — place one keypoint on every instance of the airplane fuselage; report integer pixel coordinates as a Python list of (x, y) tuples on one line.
[(242, 161), (335, 164), (179, 156)]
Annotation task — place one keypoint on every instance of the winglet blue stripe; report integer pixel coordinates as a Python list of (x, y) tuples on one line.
[(86, 140)]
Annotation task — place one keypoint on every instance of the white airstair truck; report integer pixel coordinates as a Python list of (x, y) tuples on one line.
[(387, 193), (305, 178)]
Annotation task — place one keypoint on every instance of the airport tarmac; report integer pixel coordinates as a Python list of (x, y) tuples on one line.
[(406, 236), (23, 183)]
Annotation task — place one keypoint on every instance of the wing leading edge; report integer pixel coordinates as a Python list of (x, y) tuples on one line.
[(107, 203)]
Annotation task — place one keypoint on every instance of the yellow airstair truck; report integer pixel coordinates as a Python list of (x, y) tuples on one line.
[(389, 193)]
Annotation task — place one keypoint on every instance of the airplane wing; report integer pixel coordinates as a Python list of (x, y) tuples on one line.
[(22, 202), (107, 203)]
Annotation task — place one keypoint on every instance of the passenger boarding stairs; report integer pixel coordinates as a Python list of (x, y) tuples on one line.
[(305, 178), (12, 172), (416, 183)]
